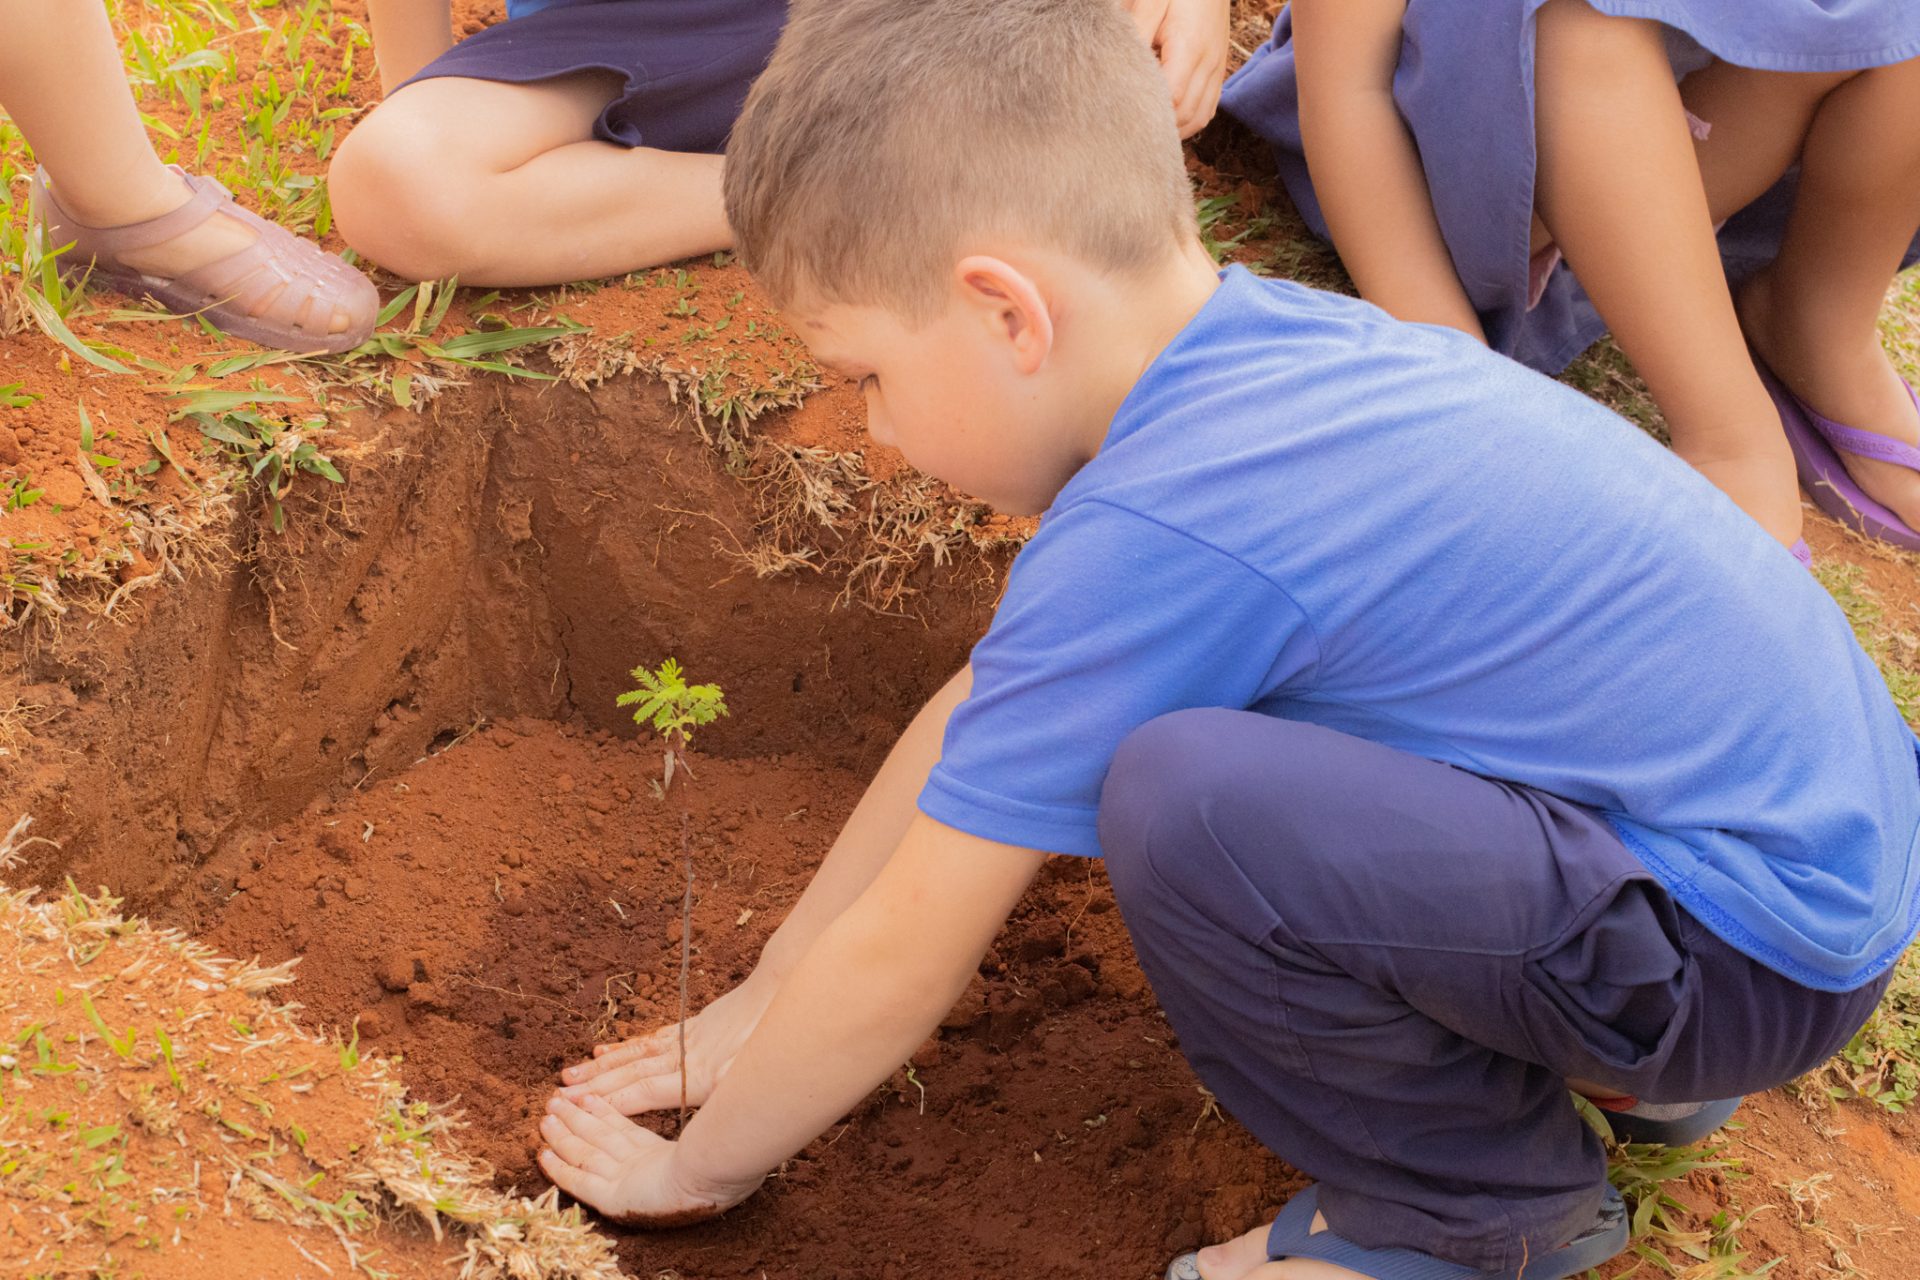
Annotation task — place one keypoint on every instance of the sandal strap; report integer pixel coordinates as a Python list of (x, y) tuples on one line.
[(1865, 444), (279, 279), (208, 198), (1292, 1236)]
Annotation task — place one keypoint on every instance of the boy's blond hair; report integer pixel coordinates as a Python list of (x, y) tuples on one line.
[(887, 138)]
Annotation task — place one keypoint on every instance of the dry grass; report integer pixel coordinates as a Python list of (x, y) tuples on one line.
[(155, 1096)]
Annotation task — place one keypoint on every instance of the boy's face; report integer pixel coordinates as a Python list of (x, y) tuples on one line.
[(968, 396)]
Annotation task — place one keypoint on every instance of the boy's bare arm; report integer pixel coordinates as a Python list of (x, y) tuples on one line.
[(644, 1072), (866, 994), (872, 832), (407, 35), (1365, 165)]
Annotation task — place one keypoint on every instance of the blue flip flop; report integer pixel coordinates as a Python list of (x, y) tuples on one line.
[(1292, 1237), (1672, 1126)]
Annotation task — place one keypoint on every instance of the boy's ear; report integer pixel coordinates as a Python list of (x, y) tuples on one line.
[(1010, 304)]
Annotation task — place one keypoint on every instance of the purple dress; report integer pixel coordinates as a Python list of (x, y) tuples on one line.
[(1465, 87), (688, 63)]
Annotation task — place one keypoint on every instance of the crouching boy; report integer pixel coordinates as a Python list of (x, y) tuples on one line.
[(1446, 739)]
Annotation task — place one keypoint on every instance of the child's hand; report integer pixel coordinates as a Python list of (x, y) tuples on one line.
[(643, 1074), (1190, 36), (599, 1157)]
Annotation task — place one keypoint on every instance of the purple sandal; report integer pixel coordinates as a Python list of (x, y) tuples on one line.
[(1818, 443), (280, 291)]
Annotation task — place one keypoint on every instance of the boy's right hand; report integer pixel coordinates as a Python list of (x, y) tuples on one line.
[(643, 1074)]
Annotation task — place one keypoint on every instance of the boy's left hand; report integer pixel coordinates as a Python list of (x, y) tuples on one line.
[(1190, 37), (595, 1154)]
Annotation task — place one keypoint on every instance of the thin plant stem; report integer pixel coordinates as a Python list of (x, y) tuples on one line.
[(686, 953)]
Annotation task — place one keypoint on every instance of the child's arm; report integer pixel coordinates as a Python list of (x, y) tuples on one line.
[(643, 1073), (1365, 166), (1190, 38), (407, 35), (871, 988)]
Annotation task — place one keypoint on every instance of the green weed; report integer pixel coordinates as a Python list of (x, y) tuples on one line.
[(19, 494), (272, 452), (1662, 1226), (1882, 1061)]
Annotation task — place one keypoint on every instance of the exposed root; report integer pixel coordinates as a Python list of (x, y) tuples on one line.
[(15, 316), (161, 540), (914, 525), (585, 361), (811, 504), (14, 844)]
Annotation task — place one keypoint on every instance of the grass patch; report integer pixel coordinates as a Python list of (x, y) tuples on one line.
[(155, 1096), (1669, 1239), (1893, 648)]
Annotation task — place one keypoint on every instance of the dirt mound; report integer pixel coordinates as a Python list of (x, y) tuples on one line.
[(500, 907)]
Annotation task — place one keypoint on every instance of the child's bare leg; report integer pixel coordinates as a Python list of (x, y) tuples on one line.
[(502, 185), (1618, 173), (1813, 315), (62, 82), (1759, 120)]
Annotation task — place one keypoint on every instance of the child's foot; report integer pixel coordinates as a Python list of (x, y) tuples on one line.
[(192, 249), (1300, 1229), (1245, 1258), (1848, 380), (216, 238)]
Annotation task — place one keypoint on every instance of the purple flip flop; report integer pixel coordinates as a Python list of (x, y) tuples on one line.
[(1817, 445)]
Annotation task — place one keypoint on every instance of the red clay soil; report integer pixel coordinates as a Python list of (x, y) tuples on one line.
[(500, 907), (509, 901)]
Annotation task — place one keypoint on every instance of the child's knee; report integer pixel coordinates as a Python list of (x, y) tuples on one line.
[(1573, 31), (395, 197), (1156, 792)]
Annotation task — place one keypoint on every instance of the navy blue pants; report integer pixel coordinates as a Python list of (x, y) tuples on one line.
[(1388, 968)]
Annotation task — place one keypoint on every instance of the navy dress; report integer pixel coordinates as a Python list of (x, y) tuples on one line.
[(1465, 87), (688, 63)]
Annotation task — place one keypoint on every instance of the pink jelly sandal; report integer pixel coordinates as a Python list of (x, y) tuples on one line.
[(1818, 443), (280, 291)]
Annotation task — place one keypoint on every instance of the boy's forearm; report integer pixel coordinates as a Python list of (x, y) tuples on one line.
[(407, 35), (872, 832), (866, 994)]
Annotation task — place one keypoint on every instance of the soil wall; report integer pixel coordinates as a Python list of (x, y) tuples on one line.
[(512, 550)]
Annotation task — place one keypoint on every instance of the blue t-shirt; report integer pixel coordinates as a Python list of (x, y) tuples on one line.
[(1308, 509)]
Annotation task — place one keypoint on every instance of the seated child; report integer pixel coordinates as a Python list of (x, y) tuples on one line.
[(580, 138), (1446, 738), (1426, 135)]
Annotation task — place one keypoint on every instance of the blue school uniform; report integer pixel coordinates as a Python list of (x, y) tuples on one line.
[(1307, 509), (688, 63), (1465, 87)]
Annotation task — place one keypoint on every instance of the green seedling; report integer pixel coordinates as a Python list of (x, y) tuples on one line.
[(13, 397), (675, 709)]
